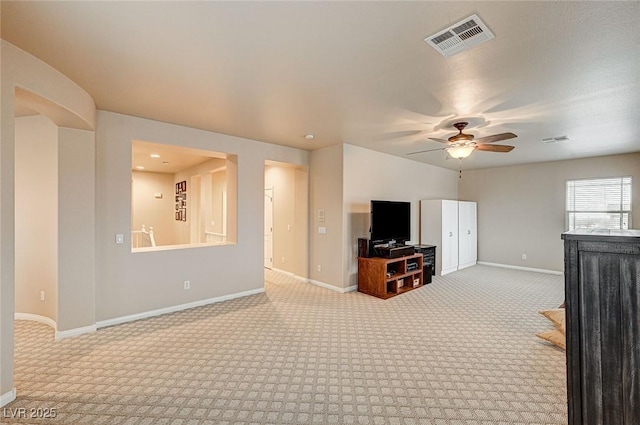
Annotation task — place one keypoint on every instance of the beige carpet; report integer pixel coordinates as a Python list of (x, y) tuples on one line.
[(461, 350)]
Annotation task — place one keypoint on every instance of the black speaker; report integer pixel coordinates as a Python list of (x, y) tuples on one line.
[(427, 271), (363, 247)]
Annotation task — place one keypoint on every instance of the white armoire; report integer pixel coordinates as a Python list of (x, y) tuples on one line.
[(452, 227)]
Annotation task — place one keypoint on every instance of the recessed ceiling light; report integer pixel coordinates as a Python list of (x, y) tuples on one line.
[(154, 155), (139, 167), (309, 136)]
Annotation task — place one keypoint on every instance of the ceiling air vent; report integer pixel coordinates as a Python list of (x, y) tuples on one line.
[(460, 36), (555, 139)]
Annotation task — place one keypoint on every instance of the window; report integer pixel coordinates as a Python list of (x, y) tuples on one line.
[(181, 197), (599, 203)]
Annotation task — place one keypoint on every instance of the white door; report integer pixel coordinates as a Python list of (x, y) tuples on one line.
[(449, 236), (468, 240), (268, 228)]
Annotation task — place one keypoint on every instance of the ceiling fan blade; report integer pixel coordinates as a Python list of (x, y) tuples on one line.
[(495, 138), (428, 150), (439, 140), (494, 148)]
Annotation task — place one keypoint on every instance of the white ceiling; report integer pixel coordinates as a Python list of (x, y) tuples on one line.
[(355, 72)]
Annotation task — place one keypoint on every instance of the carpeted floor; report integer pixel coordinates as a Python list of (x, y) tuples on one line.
[(460, 351)]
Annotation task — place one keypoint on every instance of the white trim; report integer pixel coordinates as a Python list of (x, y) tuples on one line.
[(36, 318), (130, 318), (317, 282), (332, 287), (447, 271), (8, 397), (464, 266), (75, 332), (528, 269), (293, 275)]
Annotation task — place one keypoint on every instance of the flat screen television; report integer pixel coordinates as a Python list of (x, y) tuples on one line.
[(390, 220)]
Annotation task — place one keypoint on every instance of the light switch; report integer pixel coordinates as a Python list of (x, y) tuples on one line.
[(119, 238)]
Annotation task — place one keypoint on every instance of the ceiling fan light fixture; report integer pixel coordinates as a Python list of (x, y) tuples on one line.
[(460, 152)]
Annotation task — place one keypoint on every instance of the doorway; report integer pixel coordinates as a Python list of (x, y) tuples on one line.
[(286, 227)]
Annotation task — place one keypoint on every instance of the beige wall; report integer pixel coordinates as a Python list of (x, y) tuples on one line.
[(129, 283), (151, 211), (232, 199), (290, 212), (55, 222), (70, 106), (325, 191), (76, 229), (301, 222), (373, 175), (214, 213), (521, 209), (210, 199), (36, 220)]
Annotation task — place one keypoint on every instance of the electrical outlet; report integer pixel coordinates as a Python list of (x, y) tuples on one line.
[(41, 295), (319, 268), (524, 256), (187, 284)]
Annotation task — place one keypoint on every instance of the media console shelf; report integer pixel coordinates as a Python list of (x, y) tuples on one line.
[(388, 277)]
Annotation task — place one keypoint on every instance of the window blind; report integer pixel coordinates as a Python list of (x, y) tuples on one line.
[(599, 203)]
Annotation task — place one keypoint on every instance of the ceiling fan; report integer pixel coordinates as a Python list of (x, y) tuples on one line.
[(461, 145)]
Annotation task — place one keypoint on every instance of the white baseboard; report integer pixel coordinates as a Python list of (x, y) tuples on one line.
[(75, 332), (447, 271), (528, 269), (130, 318), (317, 282), (464, 266), (36, 318), (293, 275), (332, 287), (7, 397), (50, 322)]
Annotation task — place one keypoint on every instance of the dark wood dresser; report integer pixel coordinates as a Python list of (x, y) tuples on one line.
[(602, 289)]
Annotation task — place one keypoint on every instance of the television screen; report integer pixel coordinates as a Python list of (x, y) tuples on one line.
[(390, 220)]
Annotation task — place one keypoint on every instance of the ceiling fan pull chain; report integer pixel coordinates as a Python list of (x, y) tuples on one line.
[(460, 172)]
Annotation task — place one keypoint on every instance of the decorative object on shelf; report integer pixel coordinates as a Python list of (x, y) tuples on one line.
[(181, 201)]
